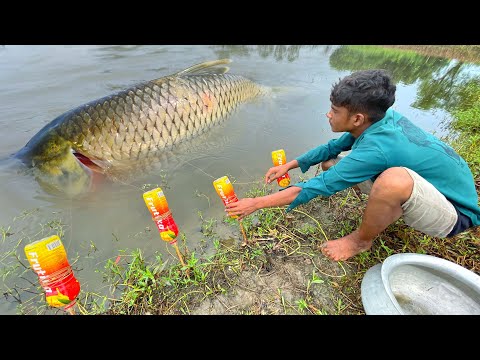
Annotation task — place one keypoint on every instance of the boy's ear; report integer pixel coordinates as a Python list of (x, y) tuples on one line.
[(360, 119)]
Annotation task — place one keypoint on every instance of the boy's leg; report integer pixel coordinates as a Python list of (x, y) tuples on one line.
[(397, 191)]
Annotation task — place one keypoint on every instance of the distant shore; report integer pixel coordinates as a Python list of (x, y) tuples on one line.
[(467, 53)]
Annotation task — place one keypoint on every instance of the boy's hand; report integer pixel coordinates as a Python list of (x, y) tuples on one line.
[(275, 172), (242, 207)]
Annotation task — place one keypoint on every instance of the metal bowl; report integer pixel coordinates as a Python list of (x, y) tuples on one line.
[(417, 284)]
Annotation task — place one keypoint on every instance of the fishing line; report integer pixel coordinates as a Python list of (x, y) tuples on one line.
[(189, 163)]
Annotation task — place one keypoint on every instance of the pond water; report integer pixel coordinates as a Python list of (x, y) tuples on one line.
[(38, 83)]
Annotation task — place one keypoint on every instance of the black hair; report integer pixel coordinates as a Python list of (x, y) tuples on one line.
[(370, 92)]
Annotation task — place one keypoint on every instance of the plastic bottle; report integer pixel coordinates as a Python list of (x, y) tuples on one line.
[(279, 158), (48, 259), (224, 189), (161, 215)]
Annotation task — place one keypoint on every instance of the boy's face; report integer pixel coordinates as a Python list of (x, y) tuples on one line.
[(340, 119)]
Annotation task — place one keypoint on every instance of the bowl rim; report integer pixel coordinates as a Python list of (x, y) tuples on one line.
[(468, 277)]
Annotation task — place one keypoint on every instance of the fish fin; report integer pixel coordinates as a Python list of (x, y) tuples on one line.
[(207, 67)]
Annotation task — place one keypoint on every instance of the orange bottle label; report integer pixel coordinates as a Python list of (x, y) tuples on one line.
[(156, 202), (279, 158), (158, 206), (48, 259), (224, 189)]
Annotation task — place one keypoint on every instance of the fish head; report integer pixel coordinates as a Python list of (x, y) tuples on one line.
[(56, 168), (64, 179)]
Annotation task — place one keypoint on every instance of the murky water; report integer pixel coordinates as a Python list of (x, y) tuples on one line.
[(38, 83)]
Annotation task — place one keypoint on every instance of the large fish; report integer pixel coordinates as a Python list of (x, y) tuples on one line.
[(133, 125)]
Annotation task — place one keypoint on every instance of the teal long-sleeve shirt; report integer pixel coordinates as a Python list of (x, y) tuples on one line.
[(392, 141)]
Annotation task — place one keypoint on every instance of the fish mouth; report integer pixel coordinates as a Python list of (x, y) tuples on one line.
[(96, 173), (87, 162)]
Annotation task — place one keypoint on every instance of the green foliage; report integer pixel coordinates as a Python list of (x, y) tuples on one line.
[(466, 123), (467, 113)]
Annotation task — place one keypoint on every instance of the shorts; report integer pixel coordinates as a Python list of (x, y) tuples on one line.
[(427, 209)]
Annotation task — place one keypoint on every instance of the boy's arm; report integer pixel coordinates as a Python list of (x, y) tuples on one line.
[(367, 161), (325, 152), (246, 206)]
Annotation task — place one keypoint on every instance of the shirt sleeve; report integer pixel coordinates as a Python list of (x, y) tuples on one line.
[(365, 162), (325, 152)]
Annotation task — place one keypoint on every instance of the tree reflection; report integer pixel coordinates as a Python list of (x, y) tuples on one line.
[(442, 91), (278, 52), (440, 81), (405, 66)]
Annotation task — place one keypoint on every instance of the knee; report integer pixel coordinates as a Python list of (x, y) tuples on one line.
[(327, 164), (393, 181)]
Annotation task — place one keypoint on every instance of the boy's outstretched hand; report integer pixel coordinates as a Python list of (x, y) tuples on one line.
[(242, 207), (275, 172)]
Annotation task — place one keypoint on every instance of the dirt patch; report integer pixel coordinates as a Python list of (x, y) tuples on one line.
[(280, 288)]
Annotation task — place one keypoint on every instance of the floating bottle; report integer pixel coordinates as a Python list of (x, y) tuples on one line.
[(224, 189), (279, 158), (48, 259), (161, 215)]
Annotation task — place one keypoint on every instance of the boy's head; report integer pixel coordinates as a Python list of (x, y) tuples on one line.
[(370, 92)]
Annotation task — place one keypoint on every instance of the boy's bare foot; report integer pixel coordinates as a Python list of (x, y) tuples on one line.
[(345, 247)]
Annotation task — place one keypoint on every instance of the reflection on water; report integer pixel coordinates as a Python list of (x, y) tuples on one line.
[(122, 51), (440, 81), (405, 66), (278, 52), (35, 87)]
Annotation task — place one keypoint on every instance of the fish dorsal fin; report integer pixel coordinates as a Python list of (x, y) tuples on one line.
[(207, 67)]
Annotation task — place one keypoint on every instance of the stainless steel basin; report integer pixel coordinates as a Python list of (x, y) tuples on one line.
[(417, 284)]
